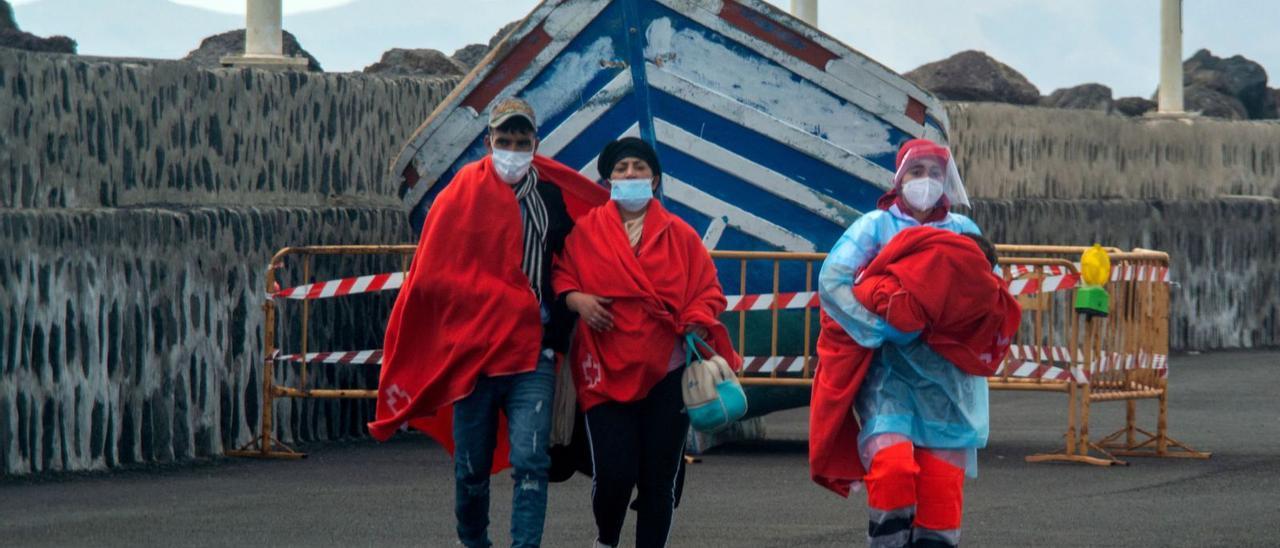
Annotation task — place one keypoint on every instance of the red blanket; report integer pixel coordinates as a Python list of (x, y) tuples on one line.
[(924, 279), (466, 308), (659, 290)]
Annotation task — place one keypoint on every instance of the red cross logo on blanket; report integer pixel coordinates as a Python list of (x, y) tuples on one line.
[(591, 371), (396, 398)]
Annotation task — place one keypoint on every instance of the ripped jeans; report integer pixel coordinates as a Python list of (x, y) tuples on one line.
[(526, 399)]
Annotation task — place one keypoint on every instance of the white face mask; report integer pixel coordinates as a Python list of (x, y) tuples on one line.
[(922, 194), (511, 166)]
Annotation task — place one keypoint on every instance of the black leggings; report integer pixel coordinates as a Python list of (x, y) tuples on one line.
[(638, 445)]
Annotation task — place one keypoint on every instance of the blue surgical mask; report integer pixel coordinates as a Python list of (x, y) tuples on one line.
[(632, 194)]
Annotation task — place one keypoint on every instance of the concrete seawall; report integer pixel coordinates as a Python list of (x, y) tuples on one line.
[(1009, 152), (81, 134), (136, 335), (1223, 255)]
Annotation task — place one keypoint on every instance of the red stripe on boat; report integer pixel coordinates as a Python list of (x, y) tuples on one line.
[(915, 110), (761, 26), (410, 178), (518, 58)]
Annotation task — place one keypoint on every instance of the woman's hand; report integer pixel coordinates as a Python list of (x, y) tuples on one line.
[(591, 309), (700, 331)]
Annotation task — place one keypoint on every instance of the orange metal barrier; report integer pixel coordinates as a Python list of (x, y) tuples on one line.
[(265, 444)]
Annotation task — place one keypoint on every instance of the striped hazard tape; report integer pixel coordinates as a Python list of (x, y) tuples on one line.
[(356, 357), (346, 286), (1124, 272), (1016, 270), (782, 365), (1140, 273), (1035, 370), (767, 301), (1028, 286), (1108, 361)]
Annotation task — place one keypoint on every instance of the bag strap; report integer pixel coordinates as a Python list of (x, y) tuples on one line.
[(691, 348)]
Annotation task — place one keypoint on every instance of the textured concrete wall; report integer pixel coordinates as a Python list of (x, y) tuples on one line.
[(139, 205), (1224, 254), (77, 133), (136, 335), (1008, 152)]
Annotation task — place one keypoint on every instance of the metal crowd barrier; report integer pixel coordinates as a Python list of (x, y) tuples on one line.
[(1121, 357)]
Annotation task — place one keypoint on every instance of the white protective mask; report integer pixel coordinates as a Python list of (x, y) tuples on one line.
[(511, 166), (922, 194)]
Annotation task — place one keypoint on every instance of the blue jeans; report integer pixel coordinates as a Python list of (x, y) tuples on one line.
[(526, 399)]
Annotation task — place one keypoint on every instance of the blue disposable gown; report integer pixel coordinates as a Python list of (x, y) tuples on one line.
[(910, 392)]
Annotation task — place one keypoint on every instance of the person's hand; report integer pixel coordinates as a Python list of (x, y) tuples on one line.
[(591, 309), (700, 331)]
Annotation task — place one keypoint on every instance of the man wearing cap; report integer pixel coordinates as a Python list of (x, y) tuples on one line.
[(469, 355)]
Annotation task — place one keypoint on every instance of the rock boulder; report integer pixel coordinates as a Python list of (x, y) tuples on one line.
[(470, 55), (502, 33), (1235, 76), (416, 62), (17, 39), (1212, 102), (975, 76), (1134, 106), (1083, 97), (13, 37), (7, 21), (214, 48)]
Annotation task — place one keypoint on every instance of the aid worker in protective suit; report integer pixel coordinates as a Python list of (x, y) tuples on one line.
[(904, 411)]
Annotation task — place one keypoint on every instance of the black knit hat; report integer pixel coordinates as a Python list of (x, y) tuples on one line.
[(627, 147)]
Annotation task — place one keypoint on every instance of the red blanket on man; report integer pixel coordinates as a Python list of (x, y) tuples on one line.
[(660, 289), (924, 279), (466, 308)]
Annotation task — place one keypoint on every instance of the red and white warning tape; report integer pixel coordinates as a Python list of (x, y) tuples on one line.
[(1028, 286), (1033, 362), (345, 286), (783, 365), (1047, 353), (357, 357), (800, 299), (1140, 273), (1125, 272), (1034, 370), (1016, 270)]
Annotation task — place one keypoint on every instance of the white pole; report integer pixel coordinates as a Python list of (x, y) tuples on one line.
[(1171, 57), (806, 10), (262, 31)]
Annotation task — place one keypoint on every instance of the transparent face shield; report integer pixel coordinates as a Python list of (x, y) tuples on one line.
[(930, 163)]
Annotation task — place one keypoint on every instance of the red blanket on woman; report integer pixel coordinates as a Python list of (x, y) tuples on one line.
[(466, 308), (924, 279), (659, 289)]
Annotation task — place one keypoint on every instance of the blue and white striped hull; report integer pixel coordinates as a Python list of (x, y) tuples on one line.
[(772, 135)]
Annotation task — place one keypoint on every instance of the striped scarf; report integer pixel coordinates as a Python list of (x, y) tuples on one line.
[(534, 215)]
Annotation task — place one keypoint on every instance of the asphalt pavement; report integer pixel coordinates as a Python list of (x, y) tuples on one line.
[(744, 494)]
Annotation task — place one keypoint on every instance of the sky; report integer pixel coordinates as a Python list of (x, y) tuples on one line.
[(1055, 43)]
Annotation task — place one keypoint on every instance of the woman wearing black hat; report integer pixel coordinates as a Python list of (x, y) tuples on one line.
[(640, 280)]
